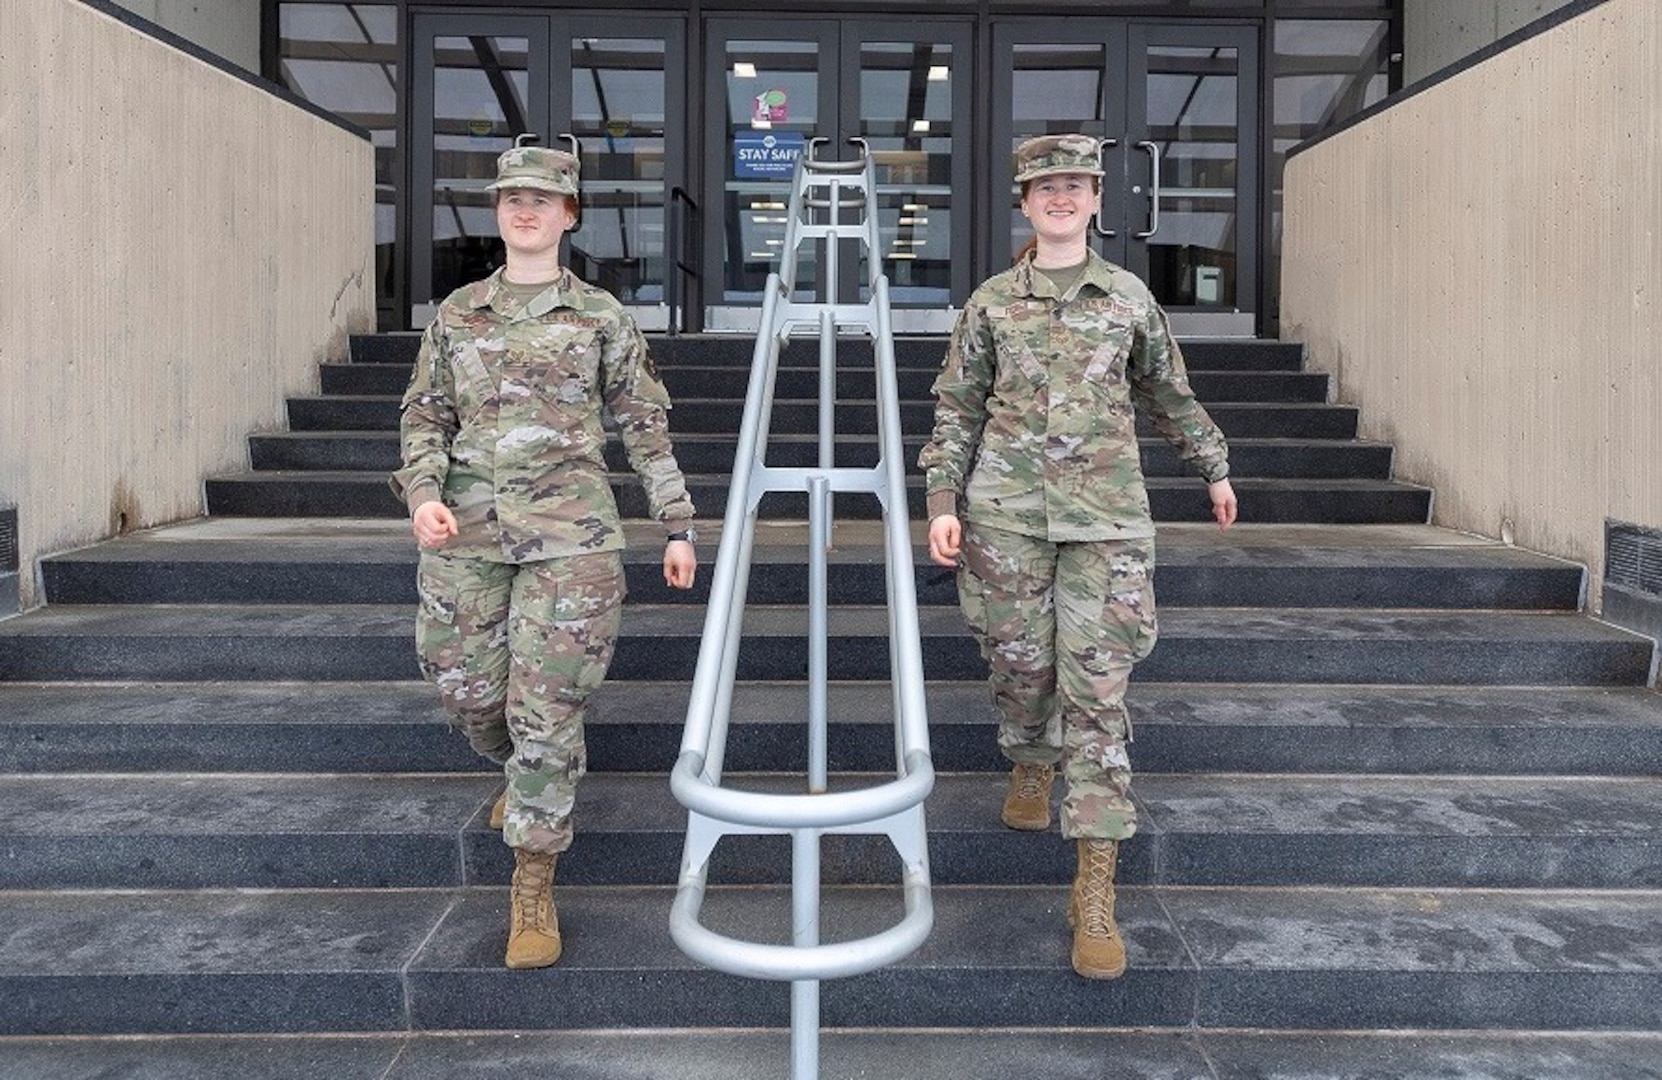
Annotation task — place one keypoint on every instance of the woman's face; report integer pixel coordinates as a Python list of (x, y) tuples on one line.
[(1060, 205), (531, 221)]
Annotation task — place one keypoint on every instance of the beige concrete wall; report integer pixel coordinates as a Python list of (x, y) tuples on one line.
[(1437, 33), (1481, 267), (181, 250)]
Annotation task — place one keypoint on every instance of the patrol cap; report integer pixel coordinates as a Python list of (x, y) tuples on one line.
[(1047, 155), (535, 167)]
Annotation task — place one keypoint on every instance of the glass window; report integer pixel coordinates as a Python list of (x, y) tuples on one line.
[(1326, 71), (1193, 120), (619, 99), (481, 91), (344, 58), (906, 120)]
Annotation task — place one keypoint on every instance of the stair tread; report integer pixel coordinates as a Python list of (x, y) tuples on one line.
[(677, 620), (741, 1054), (985, 927), (280, 540), (233, 805), (952, 703)]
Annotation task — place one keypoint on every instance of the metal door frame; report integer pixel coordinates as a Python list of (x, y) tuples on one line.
[(549, 104), (424, 29), (838, 96), (1239, 318), (1122, 116)]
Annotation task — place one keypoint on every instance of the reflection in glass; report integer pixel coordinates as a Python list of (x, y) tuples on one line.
[(906, 120), (1192, 119), (479, 105), (772, 89), (344, 58), (1326, 71), (618, 109), (1054, 89)]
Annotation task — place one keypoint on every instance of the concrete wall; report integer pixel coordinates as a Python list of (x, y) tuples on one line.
[(1437, 33), (1481, 267), (227, 28), (182, 249)]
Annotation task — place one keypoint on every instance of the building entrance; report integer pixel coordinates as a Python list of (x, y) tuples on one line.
[(1177, 108), (600, 87), (773, 85), (1175, 103)]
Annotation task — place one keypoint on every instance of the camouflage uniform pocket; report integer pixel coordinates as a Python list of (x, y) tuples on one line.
[(437, 590), (1128, 609)]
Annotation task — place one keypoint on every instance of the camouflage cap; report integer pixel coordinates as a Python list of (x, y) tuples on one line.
[(1047, 155), (536, 167)]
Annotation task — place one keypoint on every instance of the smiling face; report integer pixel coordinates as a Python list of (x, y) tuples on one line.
[(532, 221), (1060, 205)]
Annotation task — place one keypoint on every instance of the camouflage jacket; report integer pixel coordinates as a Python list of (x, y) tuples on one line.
[(1034, 422), (503, 421)]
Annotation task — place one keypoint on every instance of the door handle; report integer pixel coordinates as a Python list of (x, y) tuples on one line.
[(576, 152), (1102, 190), (1153, 190)]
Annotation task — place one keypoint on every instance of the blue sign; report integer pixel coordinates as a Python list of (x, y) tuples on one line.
[(766, 155)]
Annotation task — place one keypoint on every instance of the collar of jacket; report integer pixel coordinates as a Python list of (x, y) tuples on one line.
[(490, 293), (1031, 283)]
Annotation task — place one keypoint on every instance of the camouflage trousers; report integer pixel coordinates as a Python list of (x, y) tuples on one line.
[(1061, 625), (515, 650)]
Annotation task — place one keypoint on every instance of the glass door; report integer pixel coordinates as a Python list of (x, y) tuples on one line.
[(905, 92), (1176, 106), (581, 85), (478, 82), (612, 90)]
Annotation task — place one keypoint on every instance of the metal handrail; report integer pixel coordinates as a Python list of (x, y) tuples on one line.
[(677, 264), (893, 809)]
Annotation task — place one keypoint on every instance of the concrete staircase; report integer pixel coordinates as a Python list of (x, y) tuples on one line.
[(1401, 800)]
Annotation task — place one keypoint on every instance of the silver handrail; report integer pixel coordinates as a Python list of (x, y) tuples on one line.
[(832, 193)]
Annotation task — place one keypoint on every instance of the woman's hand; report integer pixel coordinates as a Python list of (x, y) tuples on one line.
[(1223, 502), (433, 524), (680, 564), (946, 533)]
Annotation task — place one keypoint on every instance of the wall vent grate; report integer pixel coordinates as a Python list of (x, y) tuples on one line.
[(1633, 557), (8, 540)]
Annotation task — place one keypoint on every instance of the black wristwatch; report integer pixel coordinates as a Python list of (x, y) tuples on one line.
[(689, 534)]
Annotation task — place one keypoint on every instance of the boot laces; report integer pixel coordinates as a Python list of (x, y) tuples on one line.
[(1031, 781), (534, 877), (1096, 896)]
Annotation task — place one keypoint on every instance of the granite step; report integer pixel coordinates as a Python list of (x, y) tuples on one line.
[(1171, 499), (1264, 420), (661, 641), (336, 561), (1330, 459), (159, 962), (926, 352), (853, 380), (394, 727), (948, 1054), (196, 831)]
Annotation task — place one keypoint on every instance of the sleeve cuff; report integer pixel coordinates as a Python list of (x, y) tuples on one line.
[(423, 491), (941, 502)]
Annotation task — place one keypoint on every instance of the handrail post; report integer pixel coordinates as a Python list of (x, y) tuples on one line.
[(819, 631)]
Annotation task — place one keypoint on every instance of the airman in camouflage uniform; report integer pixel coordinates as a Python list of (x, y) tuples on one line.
[(521, 577), (1035, 445)]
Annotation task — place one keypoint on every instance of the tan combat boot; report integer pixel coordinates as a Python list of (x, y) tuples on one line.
[(1027, 806), (499, 810), (534, 929), (1098, 949)]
